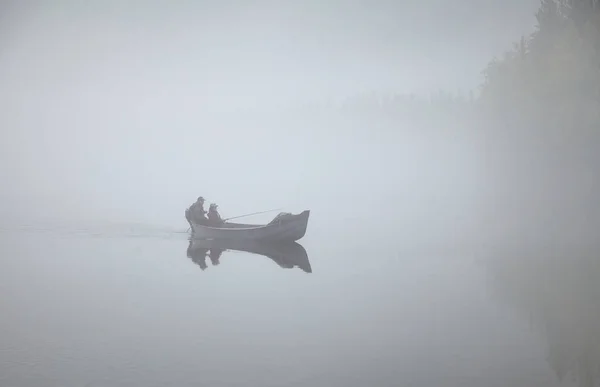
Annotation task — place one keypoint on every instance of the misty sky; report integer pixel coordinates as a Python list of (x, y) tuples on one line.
[(229, 52), (111, 98)]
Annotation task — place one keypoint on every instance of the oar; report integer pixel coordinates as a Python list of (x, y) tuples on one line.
[(254, 213)]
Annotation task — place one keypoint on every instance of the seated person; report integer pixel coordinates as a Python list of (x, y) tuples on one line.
[(214, 219)]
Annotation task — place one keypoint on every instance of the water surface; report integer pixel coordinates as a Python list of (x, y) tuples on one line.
[(131, 306)]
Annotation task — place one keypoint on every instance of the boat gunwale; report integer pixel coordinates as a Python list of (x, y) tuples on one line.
[(234, 228), (301, 217)]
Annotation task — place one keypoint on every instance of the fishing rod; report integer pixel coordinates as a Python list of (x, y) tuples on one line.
[(254, 213)]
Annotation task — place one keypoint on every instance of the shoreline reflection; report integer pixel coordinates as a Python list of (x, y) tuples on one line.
[(559, 293)]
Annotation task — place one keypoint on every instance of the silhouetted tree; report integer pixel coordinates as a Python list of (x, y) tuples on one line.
[(542, 105)]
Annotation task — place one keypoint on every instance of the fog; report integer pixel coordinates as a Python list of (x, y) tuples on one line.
[(451, 184), (134, 110)]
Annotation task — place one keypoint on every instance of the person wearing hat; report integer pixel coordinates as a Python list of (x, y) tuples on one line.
[(196, 213), (213, 215)]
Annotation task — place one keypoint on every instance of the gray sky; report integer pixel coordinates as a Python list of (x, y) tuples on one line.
[(111, 105), (270, 50)]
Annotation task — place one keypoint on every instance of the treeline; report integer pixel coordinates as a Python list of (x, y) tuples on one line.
[(551, 77), (540, 110)]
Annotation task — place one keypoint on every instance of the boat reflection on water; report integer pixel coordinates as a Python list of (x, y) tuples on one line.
[(287, 255)]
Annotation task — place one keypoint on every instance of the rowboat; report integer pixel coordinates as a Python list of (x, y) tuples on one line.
[(285, 227), (287, 254)]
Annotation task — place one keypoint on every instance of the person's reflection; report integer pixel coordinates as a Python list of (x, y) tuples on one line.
[(215, 255), (198, 256)]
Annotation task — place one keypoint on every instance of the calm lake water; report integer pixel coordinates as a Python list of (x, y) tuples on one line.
[(93, 306)]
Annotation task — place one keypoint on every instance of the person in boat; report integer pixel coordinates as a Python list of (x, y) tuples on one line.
[(196, 213), (214, 218)]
